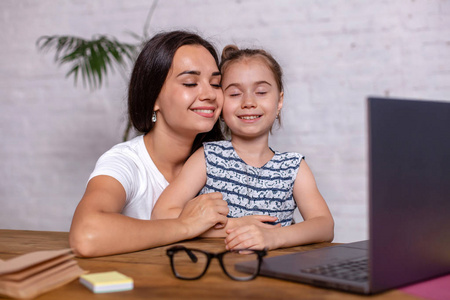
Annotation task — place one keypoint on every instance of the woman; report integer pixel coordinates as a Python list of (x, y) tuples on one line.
[(175, 100)]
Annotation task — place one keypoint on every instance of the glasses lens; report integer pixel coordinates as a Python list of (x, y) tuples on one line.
[(247, 272), (189, 263)]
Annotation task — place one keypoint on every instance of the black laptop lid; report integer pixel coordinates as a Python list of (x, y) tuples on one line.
[(409, 196)]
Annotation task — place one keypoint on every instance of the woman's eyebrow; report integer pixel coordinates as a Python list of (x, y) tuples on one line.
[(193, 72), (189, 72)]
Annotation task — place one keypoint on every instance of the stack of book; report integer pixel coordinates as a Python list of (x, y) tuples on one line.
[(29, 275)]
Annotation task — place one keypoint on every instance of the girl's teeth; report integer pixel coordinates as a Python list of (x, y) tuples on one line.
[(249, 117)]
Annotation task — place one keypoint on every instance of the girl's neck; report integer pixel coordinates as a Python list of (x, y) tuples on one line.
[(253, 151), (168, 152)]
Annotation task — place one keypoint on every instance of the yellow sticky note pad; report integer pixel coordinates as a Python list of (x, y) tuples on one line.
[(107, 282)]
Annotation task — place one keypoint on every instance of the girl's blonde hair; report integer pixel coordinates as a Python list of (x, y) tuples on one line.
[(232, 54)]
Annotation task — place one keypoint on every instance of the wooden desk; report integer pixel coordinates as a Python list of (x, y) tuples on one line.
[(153, 278)]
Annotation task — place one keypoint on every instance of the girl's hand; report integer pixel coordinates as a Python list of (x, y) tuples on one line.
[(251, 237), (257, 220)]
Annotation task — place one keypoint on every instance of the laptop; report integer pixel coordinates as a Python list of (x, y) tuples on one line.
[(409, 207)]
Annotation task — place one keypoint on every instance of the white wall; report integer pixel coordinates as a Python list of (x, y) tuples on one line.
[(334, 54)]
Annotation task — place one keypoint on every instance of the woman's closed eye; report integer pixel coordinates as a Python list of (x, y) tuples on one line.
[(190, 84)]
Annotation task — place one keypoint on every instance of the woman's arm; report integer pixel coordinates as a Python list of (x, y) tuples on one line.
[(318, 224), (184, 187), (98, 228)]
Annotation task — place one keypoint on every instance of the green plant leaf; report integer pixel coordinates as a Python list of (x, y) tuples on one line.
[(94, 58)]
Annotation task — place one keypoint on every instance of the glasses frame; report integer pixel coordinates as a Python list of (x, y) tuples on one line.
[(172, 250)]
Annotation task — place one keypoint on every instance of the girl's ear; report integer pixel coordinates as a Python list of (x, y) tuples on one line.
[(280, 101)]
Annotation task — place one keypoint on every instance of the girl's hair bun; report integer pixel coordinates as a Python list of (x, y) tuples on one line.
[(228, 51)]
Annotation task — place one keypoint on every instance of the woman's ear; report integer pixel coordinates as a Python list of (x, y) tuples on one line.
[(156, 106)]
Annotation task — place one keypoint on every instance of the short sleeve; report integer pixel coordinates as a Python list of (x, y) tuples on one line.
[(119, 166)]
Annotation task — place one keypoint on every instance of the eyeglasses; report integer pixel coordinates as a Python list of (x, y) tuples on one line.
[(190, 264)]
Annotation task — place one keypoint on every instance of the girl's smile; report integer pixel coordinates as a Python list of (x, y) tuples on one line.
[(252, 99)]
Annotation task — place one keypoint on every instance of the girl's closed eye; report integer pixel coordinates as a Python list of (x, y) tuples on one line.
[(234, 93), (261, 90)]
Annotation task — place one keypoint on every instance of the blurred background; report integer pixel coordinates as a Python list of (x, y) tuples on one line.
[(334, 54)]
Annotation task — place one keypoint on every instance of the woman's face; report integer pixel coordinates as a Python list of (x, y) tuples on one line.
[(252, 99), (191, 99)]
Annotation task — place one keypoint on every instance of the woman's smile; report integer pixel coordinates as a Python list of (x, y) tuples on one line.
[(207, 112)]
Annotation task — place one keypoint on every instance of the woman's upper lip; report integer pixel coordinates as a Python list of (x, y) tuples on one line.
[(208, 108)]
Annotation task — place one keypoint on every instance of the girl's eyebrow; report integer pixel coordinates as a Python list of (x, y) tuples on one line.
[(256, 83), (193, 72), (262, 82)]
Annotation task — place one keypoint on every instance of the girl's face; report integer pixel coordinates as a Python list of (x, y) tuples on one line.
[(252, 99), (191, 99)]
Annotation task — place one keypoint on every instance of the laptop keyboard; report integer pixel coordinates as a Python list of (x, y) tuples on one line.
[(353, 270)]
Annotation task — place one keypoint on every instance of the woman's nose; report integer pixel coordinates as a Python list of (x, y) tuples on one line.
[(208, 92)]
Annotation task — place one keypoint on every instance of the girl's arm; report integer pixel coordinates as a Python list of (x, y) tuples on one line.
[(318, 224), (184, 187), (98, 228)]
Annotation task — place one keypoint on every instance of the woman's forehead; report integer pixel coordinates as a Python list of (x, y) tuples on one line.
[(193, 58)]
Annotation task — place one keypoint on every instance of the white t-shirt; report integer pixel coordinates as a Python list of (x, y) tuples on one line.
[(132, 166)]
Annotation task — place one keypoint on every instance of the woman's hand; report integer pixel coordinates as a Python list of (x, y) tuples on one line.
[(252, 236), (204, 212)]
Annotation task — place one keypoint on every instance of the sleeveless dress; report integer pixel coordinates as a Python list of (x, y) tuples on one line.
[(250, 190)]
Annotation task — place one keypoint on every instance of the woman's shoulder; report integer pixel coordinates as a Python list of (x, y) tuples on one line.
[(129, 153), (134, 145), (127, 162)]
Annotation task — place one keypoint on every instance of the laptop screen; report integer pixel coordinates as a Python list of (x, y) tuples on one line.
[(409, 196)]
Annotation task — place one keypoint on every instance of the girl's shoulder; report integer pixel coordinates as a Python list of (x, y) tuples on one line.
[(287, 159), (287, 155), (217, 145)]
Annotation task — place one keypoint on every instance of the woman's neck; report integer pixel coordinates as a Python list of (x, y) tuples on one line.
[(253, 151), (168, 152)]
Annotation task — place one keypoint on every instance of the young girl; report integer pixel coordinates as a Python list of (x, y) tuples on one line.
[(250, 176)]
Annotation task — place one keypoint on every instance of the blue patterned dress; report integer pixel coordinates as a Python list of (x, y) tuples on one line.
[(250, 190)]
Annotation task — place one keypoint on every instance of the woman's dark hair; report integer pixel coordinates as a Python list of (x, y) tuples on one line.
[(149, 74)]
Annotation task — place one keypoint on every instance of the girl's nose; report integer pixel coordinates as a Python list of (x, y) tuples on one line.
[(248, 101)]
